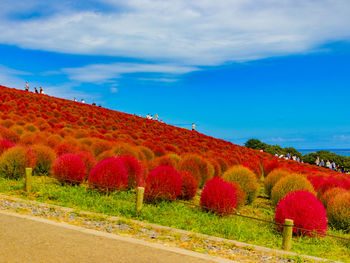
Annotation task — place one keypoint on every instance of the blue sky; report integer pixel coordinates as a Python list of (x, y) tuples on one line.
[(278, 71)]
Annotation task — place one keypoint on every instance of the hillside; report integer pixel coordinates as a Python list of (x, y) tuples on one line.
[(30, 118), (92, 158)]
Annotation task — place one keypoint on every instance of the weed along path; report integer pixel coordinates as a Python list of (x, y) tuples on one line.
[(27, 239)]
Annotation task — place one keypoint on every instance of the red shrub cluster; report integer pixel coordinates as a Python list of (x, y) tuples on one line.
[(134, 170), (189, 186), (109, 174), (218, 197), (69, 168), (305, 210), (162, 183)]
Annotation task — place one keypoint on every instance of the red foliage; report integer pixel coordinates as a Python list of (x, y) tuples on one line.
[(305, 210), (219, 197), (162, 183), (269, 165), (134, 170), (9, 134), (64, 148), (69, 168), (189, 186), (5, 144), (88, 159), (109, 174)]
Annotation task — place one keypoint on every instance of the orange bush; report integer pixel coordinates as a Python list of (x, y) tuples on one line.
[(330, 194), (245, 178), (45, 157), (273, 178), (338, 210), (288, 184)]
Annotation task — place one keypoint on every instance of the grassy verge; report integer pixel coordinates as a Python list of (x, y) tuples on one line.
[(180, 215)]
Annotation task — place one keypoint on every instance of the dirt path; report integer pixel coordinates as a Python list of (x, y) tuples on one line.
[(27, 239)]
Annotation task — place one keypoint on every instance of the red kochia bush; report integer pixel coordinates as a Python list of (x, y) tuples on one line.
[(219, 197), (305, 210), (69, 168), (109, 174), (134, 170), (162, 183), (5, 144), (189, 186)]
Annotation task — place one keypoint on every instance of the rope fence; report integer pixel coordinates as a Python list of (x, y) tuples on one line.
[(288, 226)]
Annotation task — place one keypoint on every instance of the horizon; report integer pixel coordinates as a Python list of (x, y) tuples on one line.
[(238, 70)]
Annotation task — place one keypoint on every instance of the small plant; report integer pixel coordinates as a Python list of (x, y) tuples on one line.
[(109, 174), (162, 183), (305, 210), (246, 180), (218, 197), (14, 161), (273, 178), (189, 186), (339, 211), (134, 170), (288, 184), (330, 194), (45, 157), (69, 168)]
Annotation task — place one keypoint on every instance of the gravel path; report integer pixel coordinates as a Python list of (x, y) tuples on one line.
[(140, 230)]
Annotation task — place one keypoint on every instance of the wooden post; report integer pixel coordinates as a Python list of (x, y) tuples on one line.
[(28, 181), (287, 234), (139, 198)]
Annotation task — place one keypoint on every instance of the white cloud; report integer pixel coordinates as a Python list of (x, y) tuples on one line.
[(11, 77), (113, 89), (197, 32), (101, 73)]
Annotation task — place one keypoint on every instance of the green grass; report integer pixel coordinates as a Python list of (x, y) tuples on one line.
[(180, 215)]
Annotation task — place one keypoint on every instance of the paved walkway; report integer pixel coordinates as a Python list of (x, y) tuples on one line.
[(28, 239)]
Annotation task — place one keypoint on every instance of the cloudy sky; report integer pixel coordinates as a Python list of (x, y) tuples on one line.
[(276, 70)]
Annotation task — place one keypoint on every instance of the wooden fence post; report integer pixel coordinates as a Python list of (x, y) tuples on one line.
[(287, 234), (28, 180), (139, 198)]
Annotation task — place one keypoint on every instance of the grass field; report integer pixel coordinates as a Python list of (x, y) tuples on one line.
[(181, 215)]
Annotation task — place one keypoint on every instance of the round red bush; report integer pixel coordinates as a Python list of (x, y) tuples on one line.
[(109, 174), (134, 170), (162, 183), (219, 197), (69, 168), (189, 186), (305, 210)]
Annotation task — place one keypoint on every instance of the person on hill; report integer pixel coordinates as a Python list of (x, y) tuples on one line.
[(93, 104), (321, 163), (156, 117), (75, 99), (82, 101), (36, 91), (333, 166), (41, 90), (99, 105), (328, 164), (317, 162), (26, 87), (193, 127)]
